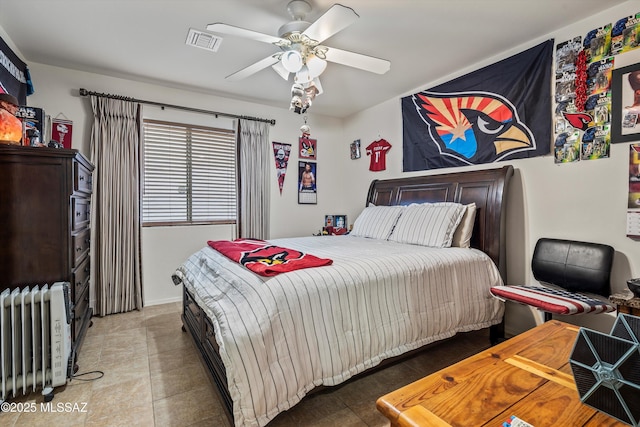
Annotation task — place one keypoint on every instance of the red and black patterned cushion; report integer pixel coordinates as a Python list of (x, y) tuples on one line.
[(552, 300)]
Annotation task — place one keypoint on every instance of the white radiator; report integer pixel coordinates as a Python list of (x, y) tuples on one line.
[(35, 339)]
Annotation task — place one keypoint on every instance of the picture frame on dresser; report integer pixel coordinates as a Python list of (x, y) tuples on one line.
[(339, 221)]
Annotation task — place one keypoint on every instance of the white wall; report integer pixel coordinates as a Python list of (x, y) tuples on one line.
[(582, 201)]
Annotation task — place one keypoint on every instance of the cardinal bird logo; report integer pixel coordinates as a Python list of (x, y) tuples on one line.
[(269, 255), (474, 127), (579, 121)]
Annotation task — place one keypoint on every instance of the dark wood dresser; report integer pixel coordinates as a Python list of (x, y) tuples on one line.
[(45, 196)]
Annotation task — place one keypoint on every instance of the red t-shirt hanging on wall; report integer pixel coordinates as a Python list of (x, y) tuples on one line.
[(378, 152)]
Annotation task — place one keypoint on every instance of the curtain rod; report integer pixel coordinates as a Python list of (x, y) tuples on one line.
[(84, 92)]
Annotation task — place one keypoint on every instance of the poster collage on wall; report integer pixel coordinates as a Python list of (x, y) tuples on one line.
[(307, 169), (582, 118)]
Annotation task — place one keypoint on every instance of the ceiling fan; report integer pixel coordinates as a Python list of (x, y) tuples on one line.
[(301, 53)]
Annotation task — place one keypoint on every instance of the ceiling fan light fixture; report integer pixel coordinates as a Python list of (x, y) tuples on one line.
[(292, 61), (303, 76), (320, 51), (316, 65), (301, 53), (279, 68)]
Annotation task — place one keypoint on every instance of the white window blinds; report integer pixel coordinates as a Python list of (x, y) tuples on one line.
[(189, 174)]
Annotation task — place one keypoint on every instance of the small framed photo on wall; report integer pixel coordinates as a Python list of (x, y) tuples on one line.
[(355, 149), (625, 104)]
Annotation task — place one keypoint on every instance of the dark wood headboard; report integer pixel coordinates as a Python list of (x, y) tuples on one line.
[(487, 188)]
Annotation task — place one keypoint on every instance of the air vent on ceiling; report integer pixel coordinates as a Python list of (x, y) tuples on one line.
[(203, 40)]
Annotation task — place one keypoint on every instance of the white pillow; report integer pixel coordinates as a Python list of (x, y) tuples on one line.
[(376, 222), (462, 236), (428, 224)]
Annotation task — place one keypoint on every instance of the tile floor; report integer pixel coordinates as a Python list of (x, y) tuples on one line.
[(153, 377)]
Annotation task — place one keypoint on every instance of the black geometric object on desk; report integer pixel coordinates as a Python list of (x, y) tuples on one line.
[(606, 370), (627, 327)]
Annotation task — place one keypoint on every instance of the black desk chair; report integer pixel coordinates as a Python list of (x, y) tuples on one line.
[(567, 270)]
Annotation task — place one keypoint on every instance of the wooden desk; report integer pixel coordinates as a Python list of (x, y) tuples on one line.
[(528, 376)]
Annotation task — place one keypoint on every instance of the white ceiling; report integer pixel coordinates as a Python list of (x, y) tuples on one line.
[(144, 40)]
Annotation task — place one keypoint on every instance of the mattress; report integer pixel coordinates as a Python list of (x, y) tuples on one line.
[(282, 336)]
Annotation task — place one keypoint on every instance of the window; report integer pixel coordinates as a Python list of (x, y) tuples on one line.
[(189, 174)]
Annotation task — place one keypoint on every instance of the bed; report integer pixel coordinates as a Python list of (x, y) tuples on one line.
[(269, 341)]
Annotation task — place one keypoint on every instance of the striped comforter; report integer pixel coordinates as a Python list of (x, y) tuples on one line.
[(282, 336)]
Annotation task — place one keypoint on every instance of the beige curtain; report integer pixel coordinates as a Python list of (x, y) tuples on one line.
[(115, 230), (253, 179)]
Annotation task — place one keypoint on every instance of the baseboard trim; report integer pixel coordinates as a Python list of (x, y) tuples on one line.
[(162, 301)]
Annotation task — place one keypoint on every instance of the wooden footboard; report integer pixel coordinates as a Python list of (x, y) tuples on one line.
[(196, 322)]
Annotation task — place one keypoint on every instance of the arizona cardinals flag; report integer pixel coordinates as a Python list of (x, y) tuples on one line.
[(500, 112)]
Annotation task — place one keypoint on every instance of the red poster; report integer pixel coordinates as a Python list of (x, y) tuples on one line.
[(61, 130), (307, 147)]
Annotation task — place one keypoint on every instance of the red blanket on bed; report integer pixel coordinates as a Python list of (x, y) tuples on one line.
[(265, 259)]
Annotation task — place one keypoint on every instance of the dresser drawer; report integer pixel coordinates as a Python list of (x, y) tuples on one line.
[(81, 278), (80, 213), (80, 244), (81, 179)]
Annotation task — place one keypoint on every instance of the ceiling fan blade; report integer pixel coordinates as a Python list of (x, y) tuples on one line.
[(231, 30), (335, 19), (254, 68), (357, 60)]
